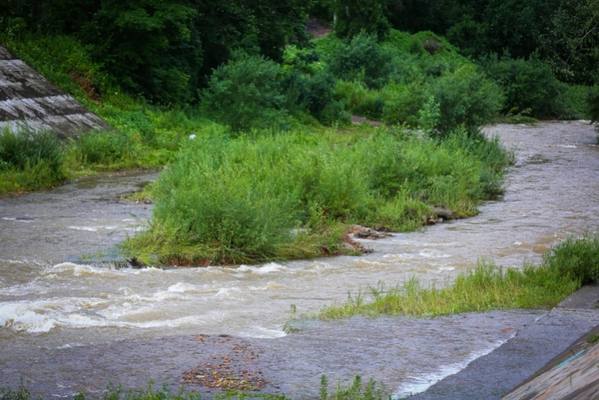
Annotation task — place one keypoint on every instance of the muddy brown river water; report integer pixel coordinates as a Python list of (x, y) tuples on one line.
[(59, 288)]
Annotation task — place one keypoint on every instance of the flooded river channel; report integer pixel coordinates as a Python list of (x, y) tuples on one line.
[(59, 287)]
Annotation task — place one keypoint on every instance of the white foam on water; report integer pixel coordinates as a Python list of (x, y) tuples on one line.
[(14, 219), (262, 269), (420, 383), (83, 228), (182, 287), (97, 228), (44, 315), (227, 292), (261, 332), (80, 270), (423, 254), (270, 285)]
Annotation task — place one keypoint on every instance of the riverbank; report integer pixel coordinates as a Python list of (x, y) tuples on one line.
[(490, 353), (95, 315)]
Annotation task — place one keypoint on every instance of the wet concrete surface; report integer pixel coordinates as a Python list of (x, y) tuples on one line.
[(387, 349), (494, 375)]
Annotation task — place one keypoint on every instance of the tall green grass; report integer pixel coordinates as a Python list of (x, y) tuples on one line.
[(564, 269), (29, 160), (268, 196)]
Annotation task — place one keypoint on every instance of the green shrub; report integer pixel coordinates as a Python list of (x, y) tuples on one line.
[(361, 59), (466, 97), (269, 196), (574, 101), (353, 17), (315, 93), (576, 258), (357, 390), (564, 269), (26, 148), (400, 214), (402, 103), (529, 86), (359, 99), (103, 148), (483, 289), (29, 160), (247, 92)]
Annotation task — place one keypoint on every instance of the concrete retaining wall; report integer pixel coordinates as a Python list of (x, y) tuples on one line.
[(27, 99)]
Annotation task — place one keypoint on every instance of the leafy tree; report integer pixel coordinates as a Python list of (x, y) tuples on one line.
[(571, 44), (361, 59), (530, 86), (254, 26), (466, 97), (354, 16), (246, 92), (151, 46)]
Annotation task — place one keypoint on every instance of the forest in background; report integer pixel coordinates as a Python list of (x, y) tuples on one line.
[(167, 50)]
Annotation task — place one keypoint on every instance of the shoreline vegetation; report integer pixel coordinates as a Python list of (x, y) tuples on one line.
[(356, 390), (260, 159), (271, 197), (565, 268)]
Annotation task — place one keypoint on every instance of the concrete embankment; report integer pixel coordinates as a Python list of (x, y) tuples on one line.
[(469, 356), (531, 349), (28, 99)]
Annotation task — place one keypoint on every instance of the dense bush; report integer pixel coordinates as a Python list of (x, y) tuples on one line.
[(315, 94), (571, 41), (529, 85), (422, 81), (359, 99), (562, 32), (103, 148), (466, 97), (29, 160), (402, 103), (353, 17), (254, 199), (576, 258), (25, 148), (361, 59), (163, 49), (247, 92)]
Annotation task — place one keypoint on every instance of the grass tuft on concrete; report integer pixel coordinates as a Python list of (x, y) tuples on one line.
[(356, 390)]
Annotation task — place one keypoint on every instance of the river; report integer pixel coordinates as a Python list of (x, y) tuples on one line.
[(60, 285)]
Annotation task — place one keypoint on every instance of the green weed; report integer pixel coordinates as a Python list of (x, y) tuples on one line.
[(29, 160), (270, 196), (564, 269), (357, 390)]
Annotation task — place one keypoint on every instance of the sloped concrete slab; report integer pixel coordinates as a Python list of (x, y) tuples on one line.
[(28, 100)]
